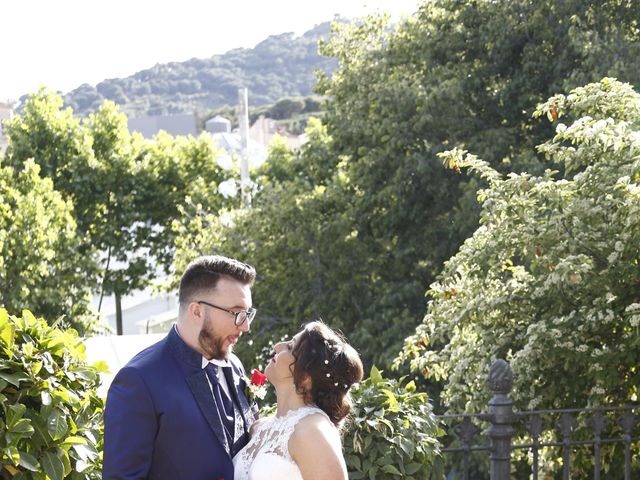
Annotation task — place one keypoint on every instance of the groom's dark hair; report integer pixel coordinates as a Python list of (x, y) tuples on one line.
[(203, 274)]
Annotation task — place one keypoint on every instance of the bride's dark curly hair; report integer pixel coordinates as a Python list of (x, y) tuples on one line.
[(332, 365)]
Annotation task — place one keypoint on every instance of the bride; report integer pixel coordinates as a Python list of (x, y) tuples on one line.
[(312, 374)]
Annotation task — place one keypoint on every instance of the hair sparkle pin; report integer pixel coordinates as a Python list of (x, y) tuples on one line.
[(335, 384), (326, 362), (328, 375)]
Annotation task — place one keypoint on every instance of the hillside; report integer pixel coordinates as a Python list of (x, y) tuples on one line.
[(280, 66)]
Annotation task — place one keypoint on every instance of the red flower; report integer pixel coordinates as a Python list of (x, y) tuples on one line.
[(258, 378)]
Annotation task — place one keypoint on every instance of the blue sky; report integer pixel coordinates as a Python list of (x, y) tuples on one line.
[(65, 43)]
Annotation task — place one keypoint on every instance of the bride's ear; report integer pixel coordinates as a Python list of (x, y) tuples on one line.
[(306, 382)]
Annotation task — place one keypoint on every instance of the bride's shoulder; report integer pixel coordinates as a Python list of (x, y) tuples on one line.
[(315, 426), (315, 446), (314, 417)]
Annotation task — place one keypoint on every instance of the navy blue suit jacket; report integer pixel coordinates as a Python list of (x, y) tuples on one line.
[(161, 421)]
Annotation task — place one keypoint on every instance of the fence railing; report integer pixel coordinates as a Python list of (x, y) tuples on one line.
[(564, 429)]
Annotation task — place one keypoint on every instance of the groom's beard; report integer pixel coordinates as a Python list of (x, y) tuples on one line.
[(212, 343)]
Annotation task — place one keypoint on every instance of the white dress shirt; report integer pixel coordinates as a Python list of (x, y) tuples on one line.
[(221, 378)]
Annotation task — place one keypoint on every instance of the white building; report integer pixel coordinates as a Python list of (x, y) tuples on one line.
[(264, 129), (6, 112), (178, 124), (217, 124), (143, 311)]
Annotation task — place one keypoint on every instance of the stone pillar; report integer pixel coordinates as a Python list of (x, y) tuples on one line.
[(501, 418)]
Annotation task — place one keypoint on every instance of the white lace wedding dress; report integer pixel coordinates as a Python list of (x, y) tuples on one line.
[(266, 456)]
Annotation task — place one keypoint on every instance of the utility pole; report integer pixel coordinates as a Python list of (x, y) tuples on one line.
[(245, 181)]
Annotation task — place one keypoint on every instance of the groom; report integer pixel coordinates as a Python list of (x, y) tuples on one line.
[(178, 409)]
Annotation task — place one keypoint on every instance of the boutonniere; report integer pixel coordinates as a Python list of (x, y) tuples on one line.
[(256, 387)]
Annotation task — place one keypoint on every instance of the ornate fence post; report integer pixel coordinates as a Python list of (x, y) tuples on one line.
[(501, 418)]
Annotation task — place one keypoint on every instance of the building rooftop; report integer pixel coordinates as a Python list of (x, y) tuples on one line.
[(179, 124)]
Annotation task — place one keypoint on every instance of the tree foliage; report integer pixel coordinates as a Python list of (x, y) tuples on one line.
[(52, 417), (42, 261), (470, 73), (549, 281), (91, 164), (354, 225), (125, 191), (301, 238)]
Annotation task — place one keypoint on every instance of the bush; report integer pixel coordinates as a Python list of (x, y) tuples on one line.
[(52, 416), (393, 432), (549, 281)]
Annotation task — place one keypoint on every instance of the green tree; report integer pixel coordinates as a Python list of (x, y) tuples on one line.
[(549, 279), (125, 190), (286, 108), (469, 73), (137, 193), (175, 172), (464, 74), (298, 236), (54, 138), (92, 165), (365, 210), (105, 196), (43, 265)]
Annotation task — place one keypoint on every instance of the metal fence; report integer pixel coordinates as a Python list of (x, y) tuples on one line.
[(586, 431)]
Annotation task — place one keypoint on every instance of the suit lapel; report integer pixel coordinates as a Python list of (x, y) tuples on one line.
[(198, 383), (202, 393)]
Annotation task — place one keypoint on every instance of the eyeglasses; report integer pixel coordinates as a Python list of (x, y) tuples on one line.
[(238, 317)]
